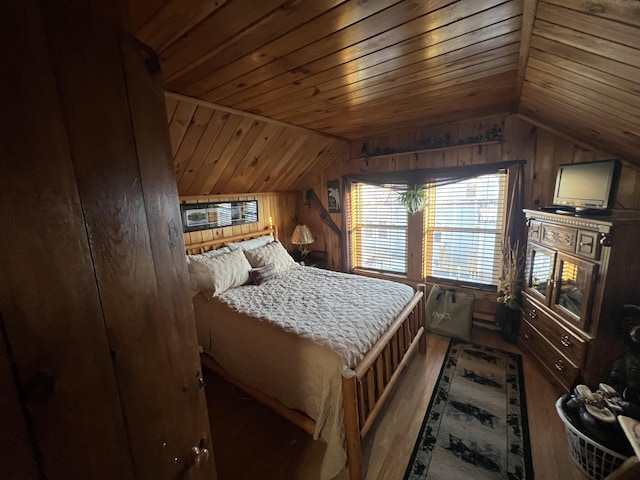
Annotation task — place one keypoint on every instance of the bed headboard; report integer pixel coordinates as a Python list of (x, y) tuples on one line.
[(201, 247)]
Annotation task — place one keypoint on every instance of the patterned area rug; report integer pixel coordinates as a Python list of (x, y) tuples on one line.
[(476, 424)]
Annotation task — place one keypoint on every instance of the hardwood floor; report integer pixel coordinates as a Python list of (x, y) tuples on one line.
[(252, 442)]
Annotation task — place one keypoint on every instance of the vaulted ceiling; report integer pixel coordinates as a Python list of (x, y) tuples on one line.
[(294, 80)]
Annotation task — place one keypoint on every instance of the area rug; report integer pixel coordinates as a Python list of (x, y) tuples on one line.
[(476, 424)]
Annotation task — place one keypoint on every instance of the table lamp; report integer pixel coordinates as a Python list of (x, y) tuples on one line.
[(302, 237)]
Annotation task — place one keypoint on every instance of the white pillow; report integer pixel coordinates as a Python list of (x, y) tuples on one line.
[(273, 253), (215, 253), (251, 244), (210, 253), (212, 275), (197, 273)]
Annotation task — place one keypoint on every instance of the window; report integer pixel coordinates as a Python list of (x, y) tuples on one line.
[(462, 237), (379, 229), (464, 229)]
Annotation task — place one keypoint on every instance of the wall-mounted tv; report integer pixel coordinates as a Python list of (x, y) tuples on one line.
[(587, 187)]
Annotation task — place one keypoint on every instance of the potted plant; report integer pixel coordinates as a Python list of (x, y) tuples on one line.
[(509, 290), (415, 198)]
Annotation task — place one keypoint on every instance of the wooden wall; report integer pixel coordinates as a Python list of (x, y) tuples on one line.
[(542, 149), (281, 207)]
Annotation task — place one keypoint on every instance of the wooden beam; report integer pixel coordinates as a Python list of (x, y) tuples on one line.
[(528, 17), (216, 106), (313, 199)]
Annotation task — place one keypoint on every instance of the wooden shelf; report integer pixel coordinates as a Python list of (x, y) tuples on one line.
[(416, 152)]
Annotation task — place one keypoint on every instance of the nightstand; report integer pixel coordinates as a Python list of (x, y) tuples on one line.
[(316, 258)]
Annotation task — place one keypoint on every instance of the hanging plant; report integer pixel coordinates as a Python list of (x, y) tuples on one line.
[(415, 198)]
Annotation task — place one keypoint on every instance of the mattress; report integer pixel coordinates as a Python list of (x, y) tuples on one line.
[(292, 336)]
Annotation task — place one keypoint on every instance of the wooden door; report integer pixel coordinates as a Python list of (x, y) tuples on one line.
[(93, 292), (17, 453)]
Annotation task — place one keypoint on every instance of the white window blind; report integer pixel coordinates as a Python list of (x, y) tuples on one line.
[(379, 229), (464, 229)]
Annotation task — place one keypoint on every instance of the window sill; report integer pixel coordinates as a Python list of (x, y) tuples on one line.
[(387, 276), (466, 286), (411, 281)]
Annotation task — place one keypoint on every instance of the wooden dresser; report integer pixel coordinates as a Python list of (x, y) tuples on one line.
[(580, 271)]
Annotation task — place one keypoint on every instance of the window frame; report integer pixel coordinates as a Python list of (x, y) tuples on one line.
[(385, 226), (498, 233), (415, 237)]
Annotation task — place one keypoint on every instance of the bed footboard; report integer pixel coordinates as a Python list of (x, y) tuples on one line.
[(366, 387)]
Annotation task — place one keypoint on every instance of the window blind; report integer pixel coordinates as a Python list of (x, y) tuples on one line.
[(464, 225), (379, 229)]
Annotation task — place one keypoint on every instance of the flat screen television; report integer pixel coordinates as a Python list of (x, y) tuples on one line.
[(588, 187)]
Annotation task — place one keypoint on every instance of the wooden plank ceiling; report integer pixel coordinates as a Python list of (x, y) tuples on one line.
[(216, 150), (583, 73), (350, 69)]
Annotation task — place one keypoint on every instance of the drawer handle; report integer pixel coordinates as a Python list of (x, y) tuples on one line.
[(564, 340), (559, 365), (533, 314)]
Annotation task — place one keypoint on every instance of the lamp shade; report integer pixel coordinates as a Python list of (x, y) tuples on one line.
[(302, 235)]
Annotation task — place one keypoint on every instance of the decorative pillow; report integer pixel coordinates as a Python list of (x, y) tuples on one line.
[(273, 253), (251, 244), (212, 275), (263, 274)]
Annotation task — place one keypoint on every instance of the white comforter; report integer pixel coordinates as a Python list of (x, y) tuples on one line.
[(291, 337)]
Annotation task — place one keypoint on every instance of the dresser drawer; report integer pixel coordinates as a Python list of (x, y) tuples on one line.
[(559, 237), (569, 344), (588, 244), (565, 372), (534, 230)]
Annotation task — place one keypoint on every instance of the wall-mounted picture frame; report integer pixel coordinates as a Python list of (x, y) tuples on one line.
[(207, 215), (333, 195)]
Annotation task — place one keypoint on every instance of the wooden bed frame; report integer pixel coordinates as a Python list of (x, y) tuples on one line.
[(364, 388)]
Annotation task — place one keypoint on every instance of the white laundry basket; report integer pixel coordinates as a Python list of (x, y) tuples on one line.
[(593, 459)]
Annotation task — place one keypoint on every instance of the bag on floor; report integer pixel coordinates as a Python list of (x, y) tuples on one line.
[(449, 313)]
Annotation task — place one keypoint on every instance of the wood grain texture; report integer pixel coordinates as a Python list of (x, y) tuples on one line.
[(299, 56), (49, 298), (18, 459), (183, 400), (597, 47), (115, 216), (528, 17), (352, 69), (93, 290), (218, 150)]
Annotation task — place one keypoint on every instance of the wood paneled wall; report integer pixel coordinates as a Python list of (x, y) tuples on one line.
[(542, 149), (281, 207)]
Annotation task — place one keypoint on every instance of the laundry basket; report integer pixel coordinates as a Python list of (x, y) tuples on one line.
[(593, 459)]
